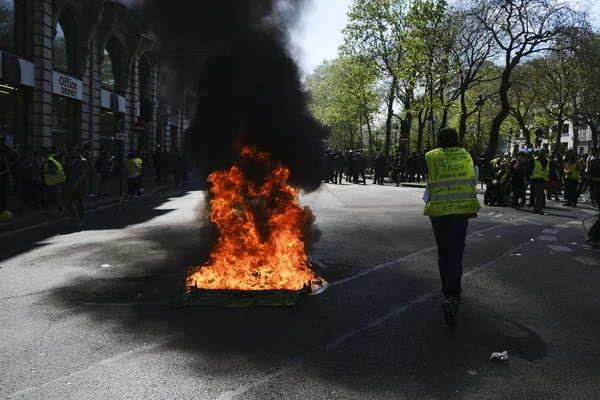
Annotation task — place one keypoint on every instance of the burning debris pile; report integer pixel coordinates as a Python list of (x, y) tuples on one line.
[(260, 244), (252, 131)]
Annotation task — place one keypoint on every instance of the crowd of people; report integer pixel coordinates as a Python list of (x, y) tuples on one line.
[(547, 175), (59, 178), (353, 164)]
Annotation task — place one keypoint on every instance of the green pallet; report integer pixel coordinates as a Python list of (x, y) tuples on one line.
[(245, 299)]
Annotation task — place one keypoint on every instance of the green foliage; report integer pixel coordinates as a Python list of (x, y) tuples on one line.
[(343, 96)]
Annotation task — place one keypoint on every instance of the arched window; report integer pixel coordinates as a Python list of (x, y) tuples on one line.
[(111, 66), (7, 24), (65, 34), (144, 78)]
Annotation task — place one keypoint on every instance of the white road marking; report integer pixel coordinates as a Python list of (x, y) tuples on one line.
[(562, 226), (550, 231), (492, 213), (99, 364), (574, 223), (547, 238), (559, 249), (400, 309), (587, 261)]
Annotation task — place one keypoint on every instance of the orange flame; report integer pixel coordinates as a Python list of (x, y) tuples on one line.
[(260, 244)]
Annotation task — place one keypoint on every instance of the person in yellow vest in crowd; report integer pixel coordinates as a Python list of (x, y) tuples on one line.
[(133, 170), (539, 173), (54, 177), (572, 174), (451, 199), (141, 177)]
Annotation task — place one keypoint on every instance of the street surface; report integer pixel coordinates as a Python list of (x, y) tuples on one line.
[(86, 315)]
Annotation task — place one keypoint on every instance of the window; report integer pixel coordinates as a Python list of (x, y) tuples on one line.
[(63, 121), (565, 128), (190, 105), (13, 121), (12, 26), (110, 71), (63, 53), (144, 78), (7, 24)]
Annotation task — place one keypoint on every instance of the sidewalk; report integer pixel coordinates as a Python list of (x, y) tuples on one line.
[(22, 220)]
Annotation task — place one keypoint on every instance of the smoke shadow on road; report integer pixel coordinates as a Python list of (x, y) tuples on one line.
[(412, 354)]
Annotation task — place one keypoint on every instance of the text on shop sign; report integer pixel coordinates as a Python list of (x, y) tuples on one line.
[(67, 86)]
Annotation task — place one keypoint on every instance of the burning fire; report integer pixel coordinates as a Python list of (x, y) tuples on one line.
[(260, 245)]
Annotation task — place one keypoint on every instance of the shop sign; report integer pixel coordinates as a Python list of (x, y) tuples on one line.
[(65, 85), (121, 136)]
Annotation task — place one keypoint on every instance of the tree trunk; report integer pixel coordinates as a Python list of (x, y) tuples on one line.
[(406, 123), (444, 120), (390, 116), (370, 137), (524, 128), (575, 137), (420, 129), (502, 114), (559, 128), (462, 125)]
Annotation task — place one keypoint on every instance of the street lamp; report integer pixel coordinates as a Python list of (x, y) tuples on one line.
[(479, 104)]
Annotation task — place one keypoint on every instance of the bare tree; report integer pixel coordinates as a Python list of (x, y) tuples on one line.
[(520, 28), (474, 48)]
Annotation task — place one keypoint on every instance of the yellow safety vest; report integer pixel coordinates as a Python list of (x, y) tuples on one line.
[(54, 178), (503, 176), (452, 183), (572, 169), (538, 171), (131, 168)]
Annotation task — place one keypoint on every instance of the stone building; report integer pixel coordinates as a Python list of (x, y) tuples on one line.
[(83, 71)]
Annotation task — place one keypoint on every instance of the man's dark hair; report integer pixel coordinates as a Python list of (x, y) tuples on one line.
[(447, 137)]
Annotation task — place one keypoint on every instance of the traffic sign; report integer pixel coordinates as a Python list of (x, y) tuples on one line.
[(140, 128), (121, 136), (121, 126), (404, 139)]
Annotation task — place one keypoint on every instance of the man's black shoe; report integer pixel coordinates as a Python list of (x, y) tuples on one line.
[(450, 308)]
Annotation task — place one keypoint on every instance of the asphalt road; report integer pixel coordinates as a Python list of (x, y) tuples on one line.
[(86, 315)]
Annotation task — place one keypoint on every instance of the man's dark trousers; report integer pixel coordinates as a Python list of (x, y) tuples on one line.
[(450, 233)]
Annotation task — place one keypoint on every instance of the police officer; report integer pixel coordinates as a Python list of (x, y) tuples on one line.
[(451, 199)]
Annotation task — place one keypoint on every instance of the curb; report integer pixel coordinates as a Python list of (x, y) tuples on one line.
[(588, 222), (96, 206)]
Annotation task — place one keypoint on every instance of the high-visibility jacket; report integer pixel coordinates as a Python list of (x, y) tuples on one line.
[(503, 176), (54, 178), (139, 161), (573, 172), (452, 183), (132, 169), (540, 172)]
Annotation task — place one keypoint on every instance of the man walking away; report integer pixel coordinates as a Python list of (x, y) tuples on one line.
[(451, 199), (76, 187), (593, 178), (54, 176), (133, 172), (539, 176)]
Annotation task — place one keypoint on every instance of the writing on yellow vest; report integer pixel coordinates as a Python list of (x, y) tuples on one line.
[(132, 168), (540, 172), (452, 183), (573, 171), (53, 178)]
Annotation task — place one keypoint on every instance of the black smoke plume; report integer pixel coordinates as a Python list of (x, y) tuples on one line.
[(235, 54)]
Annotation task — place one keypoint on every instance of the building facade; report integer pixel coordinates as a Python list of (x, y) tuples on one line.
[(76, 72)]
